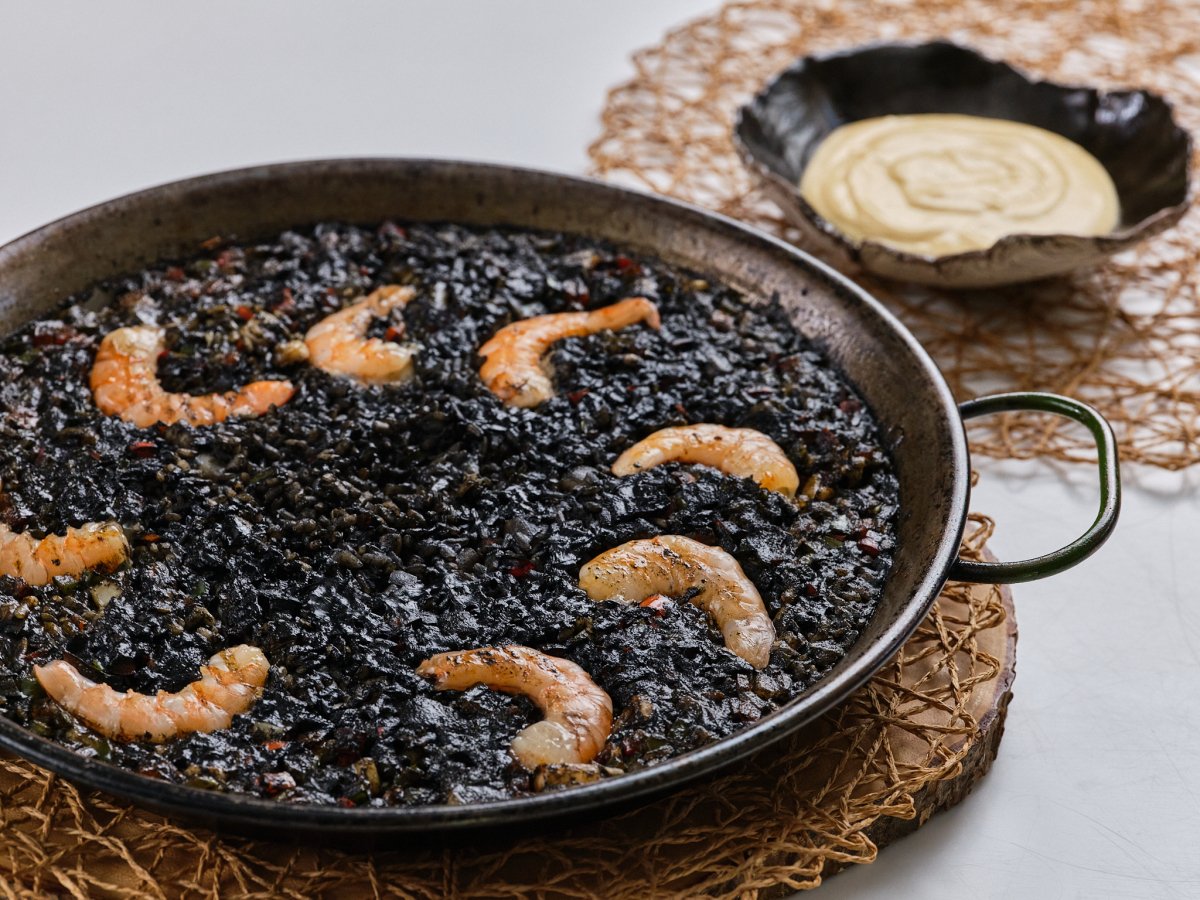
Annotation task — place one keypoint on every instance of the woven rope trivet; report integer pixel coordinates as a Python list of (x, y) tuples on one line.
[(912, 741), (1121, 337)]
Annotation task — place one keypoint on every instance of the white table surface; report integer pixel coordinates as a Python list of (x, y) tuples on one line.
[(1096, 792)]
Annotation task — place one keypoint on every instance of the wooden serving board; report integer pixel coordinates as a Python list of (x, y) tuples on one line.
[(989, 708)]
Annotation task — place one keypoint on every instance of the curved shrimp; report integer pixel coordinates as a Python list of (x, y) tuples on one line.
[(578, 713), (96, 545), (673, 565), (513, 367), (339, 342), (742, 452), (125, 383), (228, 685)]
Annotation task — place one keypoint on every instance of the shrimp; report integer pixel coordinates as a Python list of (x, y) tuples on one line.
[(578, 714), (742, 452), (513, 367), (95, 545), (228, 685), (338, 343), (673, 565), (125, 383)]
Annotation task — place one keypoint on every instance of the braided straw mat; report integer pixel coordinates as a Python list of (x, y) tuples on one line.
[(912, 740), (1121, 337)]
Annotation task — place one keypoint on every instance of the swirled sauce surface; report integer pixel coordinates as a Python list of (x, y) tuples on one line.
[(940, 184)]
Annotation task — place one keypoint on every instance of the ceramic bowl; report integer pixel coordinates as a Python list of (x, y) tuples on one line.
[(1132, 133)]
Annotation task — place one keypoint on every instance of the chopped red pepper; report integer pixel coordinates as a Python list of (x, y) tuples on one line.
[(627, 266), (46, 334), (576, 396), (143, 449), (868, 546), (393, 333), (174, 273), (244, 312), (520, 570), (274, 745)]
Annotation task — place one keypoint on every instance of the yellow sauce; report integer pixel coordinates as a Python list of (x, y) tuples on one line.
[(941, 184)]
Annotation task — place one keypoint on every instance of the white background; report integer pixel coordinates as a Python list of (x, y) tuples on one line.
[(1097, 789)]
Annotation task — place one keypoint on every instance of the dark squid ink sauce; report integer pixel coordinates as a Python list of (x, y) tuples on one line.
[(357, 530)]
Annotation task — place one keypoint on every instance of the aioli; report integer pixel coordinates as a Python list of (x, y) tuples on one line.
[(938, 184)]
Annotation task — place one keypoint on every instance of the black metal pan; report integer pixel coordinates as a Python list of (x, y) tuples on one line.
[(918, 417)]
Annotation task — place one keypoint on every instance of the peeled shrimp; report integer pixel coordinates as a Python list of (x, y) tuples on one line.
[(96, 545), (339, 342), (742, 452), (514, 369), (228, 685), (578, 714), (672, 565), (125, 384)]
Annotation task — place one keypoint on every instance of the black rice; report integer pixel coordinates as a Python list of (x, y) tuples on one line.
[(355, 531)]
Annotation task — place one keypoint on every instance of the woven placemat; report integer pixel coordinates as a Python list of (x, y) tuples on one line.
[(861, 775), (1121, 337)]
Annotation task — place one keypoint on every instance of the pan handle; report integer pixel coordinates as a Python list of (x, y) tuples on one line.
[(1110, 490)]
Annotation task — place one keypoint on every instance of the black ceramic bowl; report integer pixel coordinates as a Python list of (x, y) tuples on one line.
[(1132, 133)]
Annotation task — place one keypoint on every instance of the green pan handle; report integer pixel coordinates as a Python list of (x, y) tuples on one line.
[(1110, 490)]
